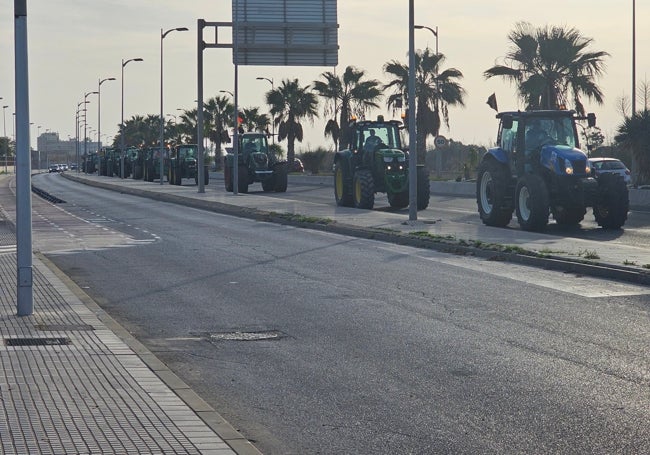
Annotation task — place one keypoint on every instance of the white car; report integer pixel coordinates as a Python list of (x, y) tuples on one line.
[(612, 166)]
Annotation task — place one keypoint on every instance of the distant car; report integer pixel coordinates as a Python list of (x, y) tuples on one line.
[(297, 166), (73, 166), (54, 168), (63, 167), (611, 166)]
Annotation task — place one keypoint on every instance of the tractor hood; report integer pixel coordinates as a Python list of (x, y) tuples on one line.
[(561, 158), (391, 153)]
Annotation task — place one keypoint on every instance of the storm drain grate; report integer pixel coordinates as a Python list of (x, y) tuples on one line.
[(247, 336), (63, 327), (37, 341)]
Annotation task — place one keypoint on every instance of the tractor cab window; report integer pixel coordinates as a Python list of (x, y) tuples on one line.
[(509, 137), (386, 135), (254, 144), (549, 131), (190, 152)]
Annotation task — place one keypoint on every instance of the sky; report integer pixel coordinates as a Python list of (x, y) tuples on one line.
[(72, 44)]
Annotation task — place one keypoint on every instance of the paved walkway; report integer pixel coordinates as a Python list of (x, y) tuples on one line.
[(72, 381)]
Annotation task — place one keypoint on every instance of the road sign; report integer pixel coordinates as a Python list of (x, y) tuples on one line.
[(285, 32), (440, 141)]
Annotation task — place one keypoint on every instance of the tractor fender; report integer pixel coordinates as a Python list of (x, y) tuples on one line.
[(498, 154)]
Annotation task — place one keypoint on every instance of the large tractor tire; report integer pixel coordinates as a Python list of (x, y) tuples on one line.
[(342, 191), (227, 177), (613, 202), (280, 177), (177, 176), (532, 203), (363, 189), (424, 188), (398, 200), (492, 193), (242, 176), (568, 215)]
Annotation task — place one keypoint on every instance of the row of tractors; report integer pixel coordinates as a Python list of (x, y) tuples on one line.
[(144, 164)]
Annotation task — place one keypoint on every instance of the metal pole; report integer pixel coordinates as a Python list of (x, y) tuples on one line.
[(99, 116), (200, 24), (25, 304), (235, 145), (162, 115), (413, 153), (4, 122), (122, 146)]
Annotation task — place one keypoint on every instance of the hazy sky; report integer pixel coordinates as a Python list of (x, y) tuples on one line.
[(74, 43)]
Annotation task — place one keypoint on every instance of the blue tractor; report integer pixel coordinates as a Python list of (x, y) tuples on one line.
[(537, 169)]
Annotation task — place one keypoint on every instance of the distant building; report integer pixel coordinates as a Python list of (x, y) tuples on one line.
[(53, 150)]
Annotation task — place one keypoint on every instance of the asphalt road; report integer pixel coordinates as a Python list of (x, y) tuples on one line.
[(311, 342)]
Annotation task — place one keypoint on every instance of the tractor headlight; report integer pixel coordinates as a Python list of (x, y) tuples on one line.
[(568, 167), (389, 167), (588, 168)]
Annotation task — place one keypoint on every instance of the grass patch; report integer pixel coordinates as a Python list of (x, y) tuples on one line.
[(302, 218), (646, 266), (626, 262), (588, 254)]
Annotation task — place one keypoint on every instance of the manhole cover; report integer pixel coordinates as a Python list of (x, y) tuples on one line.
[(63, 327), (247, 336), (37, 341)]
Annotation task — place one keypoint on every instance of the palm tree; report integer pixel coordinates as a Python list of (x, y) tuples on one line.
[(634, 136), (252, 120), (290, 103), (218, 118), (550, 63), (435, 91), (346, 96)]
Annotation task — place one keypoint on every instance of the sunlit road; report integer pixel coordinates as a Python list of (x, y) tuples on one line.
[(318, 343)]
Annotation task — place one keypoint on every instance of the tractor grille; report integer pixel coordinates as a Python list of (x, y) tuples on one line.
[(261, 160)]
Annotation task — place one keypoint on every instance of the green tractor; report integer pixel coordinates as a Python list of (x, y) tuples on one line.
[(151, 163), (183, 164), (109, 160), (135, 159), (255, 163), (375, 162)]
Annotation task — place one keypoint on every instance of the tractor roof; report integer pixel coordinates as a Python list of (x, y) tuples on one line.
[(545, 113)]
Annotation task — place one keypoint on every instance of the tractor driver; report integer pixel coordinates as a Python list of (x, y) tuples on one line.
[(536, 136), (372, 141)]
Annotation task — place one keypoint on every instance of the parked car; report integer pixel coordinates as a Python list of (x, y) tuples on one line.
[(611, 166), (297, 166), (54, 168)]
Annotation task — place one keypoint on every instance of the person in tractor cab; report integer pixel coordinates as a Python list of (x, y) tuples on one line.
[(536, 136), (372, 141)]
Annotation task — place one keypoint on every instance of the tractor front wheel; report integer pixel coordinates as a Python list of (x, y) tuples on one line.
[(280, 178), (342, 191), (363, 189), (532, 203), (242, 177), (491, 193)]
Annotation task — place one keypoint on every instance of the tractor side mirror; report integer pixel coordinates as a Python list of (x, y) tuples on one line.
[(506, 122), (591, 120)]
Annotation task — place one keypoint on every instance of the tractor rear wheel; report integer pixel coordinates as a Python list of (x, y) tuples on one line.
[(424, 189), (242, 176), (342, 192), (227, 177), (491, 193), (363, 187), (178, 177), (280, 177), (613, 201), (532, 203)]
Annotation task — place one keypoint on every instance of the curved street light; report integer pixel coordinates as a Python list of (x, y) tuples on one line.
[(85, 125), (228, 92), (99, 115), (272, 88), (122, 146), (162, 115)]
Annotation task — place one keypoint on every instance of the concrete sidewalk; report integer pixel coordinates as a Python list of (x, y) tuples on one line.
[(74, 382)]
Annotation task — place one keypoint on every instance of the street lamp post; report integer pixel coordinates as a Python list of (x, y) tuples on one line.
[(162, 115), (77, 148), (122, 146), (85, 125), (272, 88), (4, 123), (99, 114)]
